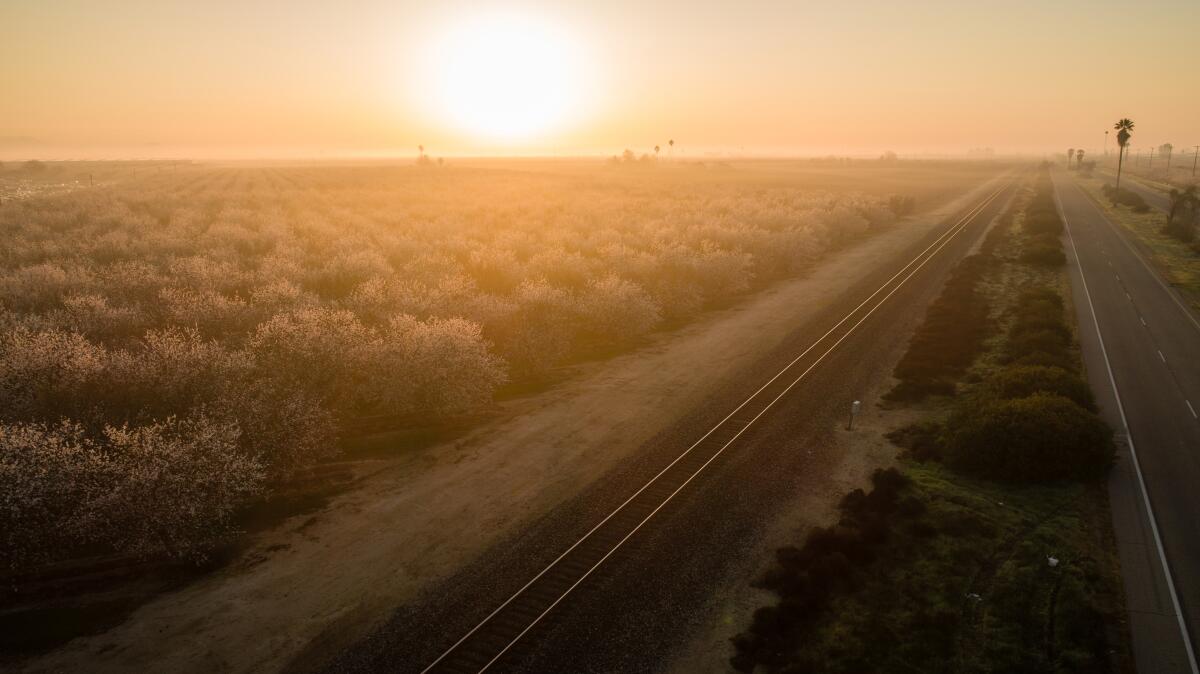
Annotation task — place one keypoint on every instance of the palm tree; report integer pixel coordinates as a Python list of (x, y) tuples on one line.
[(1070, 156), (1122, 127), (656, 149), (671, 145), (1078, 158), (421, 151)]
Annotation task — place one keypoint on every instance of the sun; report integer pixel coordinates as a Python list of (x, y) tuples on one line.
[(506, 77)]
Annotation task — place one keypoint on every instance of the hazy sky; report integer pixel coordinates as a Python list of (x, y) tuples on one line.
[(108, 78)]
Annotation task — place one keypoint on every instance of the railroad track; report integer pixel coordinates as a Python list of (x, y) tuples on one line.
[(499, 634)]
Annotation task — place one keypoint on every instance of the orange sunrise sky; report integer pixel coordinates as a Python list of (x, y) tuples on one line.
[(139, 79)]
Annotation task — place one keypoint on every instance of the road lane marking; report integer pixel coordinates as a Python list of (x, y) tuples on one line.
[(1191, 409), (1128, 297), (1161, 357), (1137, 465), (1143, 320), (1153, 274)]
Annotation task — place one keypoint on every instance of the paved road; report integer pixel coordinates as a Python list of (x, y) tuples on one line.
[(1155, 198), (651, 597), (1142, 350)]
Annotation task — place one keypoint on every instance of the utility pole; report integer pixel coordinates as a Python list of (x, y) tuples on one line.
[(1169, 154), (1151, 165), (1194, 155), (1106, 142)]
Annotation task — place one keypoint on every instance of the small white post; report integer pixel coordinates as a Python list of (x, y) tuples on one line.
[(854, 409)]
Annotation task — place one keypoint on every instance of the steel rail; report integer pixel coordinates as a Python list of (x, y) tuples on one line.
[(907, 271)]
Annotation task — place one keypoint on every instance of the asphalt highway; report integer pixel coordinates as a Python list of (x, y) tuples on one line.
[(1141, 346)]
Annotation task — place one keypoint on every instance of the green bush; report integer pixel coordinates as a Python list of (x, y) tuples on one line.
[(948, 340), (1045, 341), (1035, 321), (1063, 360), (1035, 439), (1043, 223), (1044, 253), (830, 563), (1126, 198), (921, 439), (1022, 381), (1039, 335), (1031, 298), (1183, 231)]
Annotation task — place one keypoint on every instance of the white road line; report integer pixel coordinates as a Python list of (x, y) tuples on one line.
[(1128, 297), (1143, 320), (940, 242), (1118, 278), (1137, 466), (1190, 408), (1103, 216), (1162, 357)]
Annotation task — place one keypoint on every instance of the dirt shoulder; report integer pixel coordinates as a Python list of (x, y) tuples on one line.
[(424, 514)]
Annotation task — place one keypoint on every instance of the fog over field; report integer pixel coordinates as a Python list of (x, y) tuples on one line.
[(232, 322), (599, 337)]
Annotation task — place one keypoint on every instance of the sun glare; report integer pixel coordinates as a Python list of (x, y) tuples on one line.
[(505, 77)]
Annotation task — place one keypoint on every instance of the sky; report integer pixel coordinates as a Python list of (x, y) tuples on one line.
[(299, 78)]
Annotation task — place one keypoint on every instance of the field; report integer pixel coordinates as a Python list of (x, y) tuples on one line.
[(177, 340)]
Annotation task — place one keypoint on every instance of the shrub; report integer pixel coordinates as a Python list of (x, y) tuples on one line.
[(176, 486), (1039, 335), (1061, 360), (169, 372), (1021, 381), (537, 332), (615, 310), (1183, 231), (806, 578), (437, 366), (96, 318), (948, 339), (901, 205), (1051, 342), (317, 350), (1043, 223), (49, 374), (1044, 253), (1126, 197), (51, 475), (166, 488), (1032, 298), (921, 439), (1039, 320), (285, 429), (1039, 438)]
